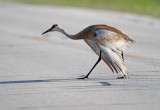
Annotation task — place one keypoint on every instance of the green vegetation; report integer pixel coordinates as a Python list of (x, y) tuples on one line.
[(147, 7)]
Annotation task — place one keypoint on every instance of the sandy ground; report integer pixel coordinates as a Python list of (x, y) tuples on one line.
[(39, 73)]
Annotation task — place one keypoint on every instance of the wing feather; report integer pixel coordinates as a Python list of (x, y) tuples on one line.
[(116, 42), (115, 61), (114, 30)]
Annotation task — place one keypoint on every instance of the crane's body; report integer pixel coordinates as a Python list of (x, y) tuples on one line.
[(106, 41)]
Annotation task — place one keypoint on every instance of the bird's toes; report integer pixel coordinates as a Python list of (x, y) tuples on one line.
[(123, 77), (83, 77)]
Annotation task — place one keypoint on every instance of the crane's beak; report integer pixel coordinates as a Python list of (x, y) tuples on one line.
[(49, 30)]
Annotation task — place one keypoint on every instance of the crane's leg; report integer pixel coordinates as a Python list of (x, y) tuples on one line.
[(99, 59), (122, 56)]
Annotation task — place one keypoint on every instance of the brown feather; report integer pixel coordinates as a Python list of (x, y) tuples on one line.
[(113, 29)]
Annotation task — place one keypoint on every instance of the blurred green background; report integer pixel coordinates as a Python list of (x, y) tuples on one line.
[(145, 7)]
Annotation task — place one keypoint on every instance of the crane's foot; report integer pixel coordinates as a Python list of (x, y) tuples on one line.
[(123, 77), (83, 77)]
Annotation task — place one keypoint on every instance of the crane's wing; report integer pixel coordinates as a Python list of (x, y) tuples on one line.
[(110, 29), (117, 42), (111, 55)]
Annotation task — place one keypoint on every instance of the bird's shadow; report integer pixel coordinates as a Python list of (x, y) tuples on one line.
[(37, 81)]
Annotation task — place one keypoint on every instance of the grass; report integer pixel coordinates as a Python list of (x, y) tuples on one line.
[(145, 7)]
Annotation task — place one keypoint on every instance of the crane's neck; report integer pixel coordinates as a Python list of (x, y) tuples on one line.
[(74, 37)]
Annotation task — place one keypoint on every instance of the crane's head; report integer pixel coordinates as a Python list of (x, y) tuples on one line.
[(55, 27)]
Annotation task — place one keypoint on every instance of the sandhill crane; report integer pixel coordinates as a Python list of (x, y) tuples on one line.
[(106, 41)]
